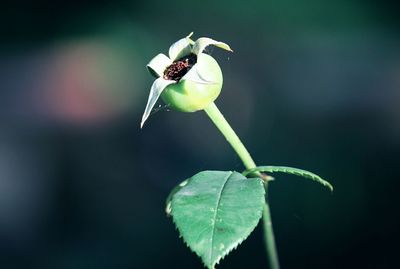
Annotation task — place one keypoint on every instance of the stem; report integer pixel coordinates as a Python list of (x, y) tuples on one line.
[(230, 135), (269, 238), (219, 120)]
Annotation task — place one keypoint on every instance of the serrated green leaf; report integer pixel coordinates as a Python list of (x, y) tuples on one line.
[(290, 170), (215, 211), (171, 194)]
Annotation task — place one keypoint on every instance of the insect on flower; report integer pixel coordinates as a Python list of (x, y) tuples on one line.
[(188, 80)]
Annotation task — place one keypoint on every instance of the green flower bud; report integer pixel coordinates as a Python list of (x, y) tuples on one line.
[(188, 80)]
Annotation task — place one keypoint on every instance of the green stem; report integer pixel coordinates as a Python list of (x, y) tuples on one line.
[(269, 238), (230, 135), (219, 120)]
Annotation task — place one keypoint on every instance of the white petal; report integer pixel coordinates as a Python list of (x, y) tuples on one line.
[(180, 48), (158, 64), (203, 42), (156, 89)]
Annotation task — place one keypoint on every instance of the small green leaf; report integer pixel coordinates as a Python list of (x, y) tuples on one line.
[(290, 170), (158, 64), (203, 42), (156, 89), (215, 211)]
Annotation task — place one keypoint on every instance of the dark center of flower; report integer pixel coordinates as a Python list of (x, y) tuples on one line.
[(180, 67)]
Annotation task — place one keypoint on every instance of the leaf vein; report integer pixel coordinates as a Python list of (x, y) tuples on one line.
[(215, 215)]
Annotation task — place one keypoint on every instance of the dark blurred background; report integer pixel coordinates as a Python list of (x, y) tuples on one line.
[(312, 84)]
